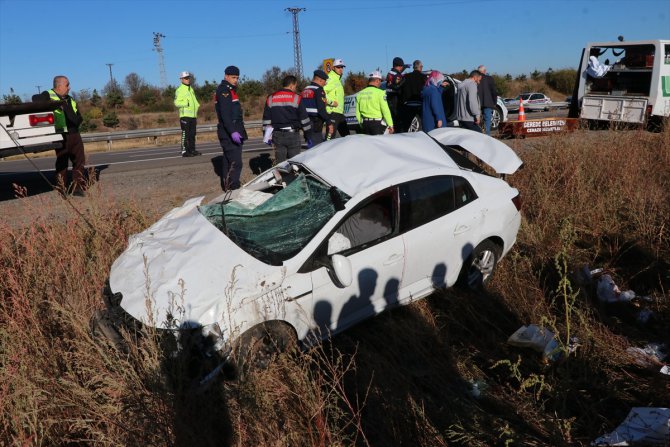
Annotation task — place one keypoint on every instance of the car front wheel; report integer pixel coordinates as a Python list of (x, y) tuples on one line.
[(260, 345), (480, 265)]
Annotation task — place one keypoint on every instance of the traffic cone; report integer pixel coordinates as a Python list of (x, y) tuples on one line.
[(522, 113)]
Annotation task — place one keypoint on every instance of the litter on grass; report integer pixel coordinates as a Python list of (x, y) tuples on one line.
[(537, 338), (642, 427)]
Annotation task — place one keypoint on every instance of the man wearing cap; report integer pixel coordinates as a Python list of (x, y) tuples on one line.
[(335, 100), (230, 129), (371, 107), (394, 81), (314, 98), (187, 103), (285, 112)]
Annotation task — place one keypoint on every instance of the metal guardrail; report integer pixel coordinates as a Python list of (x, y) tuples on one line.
[(151, 133)]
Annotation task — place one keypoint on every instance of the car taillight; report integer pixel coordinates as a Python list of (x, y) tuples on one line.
[(42, 119), (517, 202)]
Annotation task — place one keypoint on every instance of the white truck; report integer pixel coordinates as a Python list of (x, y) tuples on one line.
[(630, 83), (28, 127)]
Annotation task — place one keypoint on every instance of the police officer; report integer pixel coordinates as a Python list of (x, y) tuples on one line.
[(335, 97), (230, 129), (286, 113), (394, 82), (187, 103), (314, 98), (67, 120), (371, 107)]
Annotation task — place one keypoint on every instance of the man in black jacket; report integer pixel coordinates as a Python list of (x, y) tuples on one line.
[(230, 130), (67, 120), (488, 97), (410, 95), (286, 113)]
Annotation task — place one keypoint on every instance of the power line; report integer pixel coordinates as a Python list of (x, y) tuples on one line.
[(297, 51)]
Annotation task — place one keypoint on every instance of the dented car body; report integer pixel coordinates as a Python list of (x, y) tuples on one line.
[(331, 237)]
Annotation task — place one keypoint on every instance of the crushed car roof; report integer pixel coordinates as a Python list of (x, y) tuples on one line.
[(357, 162)]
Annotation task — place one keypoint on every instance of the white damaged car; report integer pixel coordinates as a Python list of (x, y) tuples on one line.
[(322, 241)]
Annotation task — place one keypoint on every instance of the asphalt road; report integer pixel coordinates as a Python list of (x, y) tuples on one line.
[(27, 172)]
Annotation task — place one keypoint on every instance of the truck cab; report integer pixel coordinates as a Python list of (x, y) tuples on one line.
[(627, 82)]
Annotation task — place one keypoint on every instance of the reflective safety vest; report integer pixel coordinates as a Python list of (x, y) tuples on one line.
[(59, 115), (371, 104), (185, 100), (334, 91)]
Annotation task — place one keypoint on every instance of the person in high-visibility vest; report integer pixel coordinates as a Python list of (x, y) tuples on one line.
[(187, 103), (67, 120), (371, 107), (335, 100)]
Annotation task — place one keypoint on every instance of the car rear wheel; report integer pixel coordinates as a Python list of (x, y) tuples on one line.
[(496, 118), (415, 125), (480, 265)]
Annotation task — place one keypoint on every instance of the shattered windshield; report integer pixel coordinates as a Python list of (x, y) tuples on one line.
[(275, 227)]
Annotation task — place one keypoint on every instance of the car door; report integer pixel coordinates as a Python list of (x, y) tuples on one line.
[(369, 239), (440, 221)]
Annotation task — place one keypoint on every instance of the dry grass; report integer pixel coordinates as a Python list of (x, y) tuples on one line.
[(403, 378)]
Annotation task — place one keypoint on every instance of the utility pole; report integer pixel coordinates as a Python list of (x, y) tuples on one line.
[(39, 89), (111, 78), (297, 52), (161, 62)]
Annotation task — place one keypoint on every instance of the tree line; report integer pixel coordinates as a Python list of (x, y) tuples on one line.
[(135, 95)]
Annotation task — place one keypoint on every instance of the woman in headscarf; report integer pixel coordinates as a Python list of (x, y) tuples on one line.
[(433, 110)]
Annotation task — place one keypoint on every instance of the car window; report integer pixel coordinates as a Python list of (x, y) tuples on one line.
[(424, 200), (364, 227), (535, 96), (463, 192)]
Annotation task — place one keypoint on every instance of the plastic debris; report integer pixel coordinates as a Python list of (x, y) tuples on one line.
[(609, 292), (645, 315), (651, 355), (477, 387), (537, 338), (642, 427), (665, 370)]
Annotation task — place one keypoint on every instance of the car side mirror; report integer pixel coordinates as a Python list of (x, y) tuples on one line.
[(342, 270)]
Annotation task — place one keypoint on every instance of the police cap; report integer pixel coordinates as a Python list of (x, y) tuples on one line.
[(232, 70), (320, 74)]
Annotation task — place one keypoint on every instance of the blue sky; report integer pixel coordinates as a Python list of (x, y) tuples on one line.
[(40, 39)]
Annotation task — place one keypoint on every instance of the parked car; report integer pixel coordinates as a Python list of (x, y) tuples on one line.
[(499, 113), (320, 243), (532, 101)]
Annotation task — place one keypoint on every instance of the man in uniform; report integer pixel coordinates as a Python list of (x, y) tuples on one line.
[(394, 81), (371, 107), (285, 112), (187, 103), (335, 100), (230, 130), (67, 120), (314, 98)]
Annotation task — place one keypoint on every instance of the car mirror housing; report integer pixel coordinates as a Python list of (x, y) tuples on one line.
[(342, 270)]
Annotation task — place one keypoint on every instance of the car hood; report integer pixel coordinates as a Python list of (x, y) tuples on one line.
[(494, 153), (183, 272)]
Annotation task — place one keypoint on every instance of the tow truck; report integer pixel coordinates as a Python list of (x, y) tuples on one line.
[(28, 127)]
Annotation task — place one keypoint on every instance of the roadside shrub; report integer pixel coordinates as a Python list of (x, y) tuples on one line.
[(110, 119), (561, 80)]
